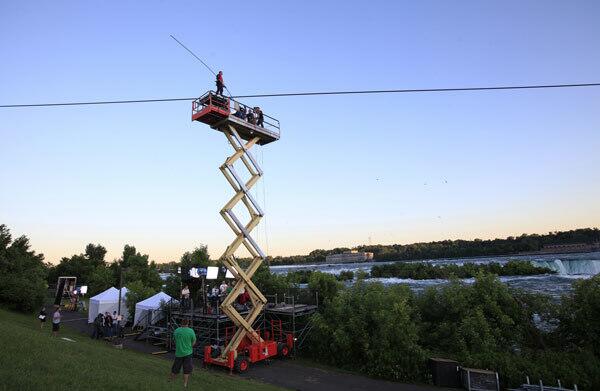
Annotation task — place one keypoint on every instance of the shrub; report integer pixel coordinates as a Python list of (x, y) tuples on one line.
[(372, 329), (580, 315)]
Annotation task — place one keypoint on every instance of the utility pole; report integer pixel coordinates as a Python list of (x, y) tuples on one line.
[(120, 288)]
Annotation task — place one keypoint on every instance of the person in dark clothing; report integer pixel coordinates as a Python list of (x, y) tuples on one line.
[(251, 117), (97, 333), (42, 317), (260, 117), (220, 83), (108, 321)]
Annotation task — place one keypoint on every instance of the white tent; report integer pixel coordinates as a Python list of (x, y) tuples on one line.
[(147, 310), (107, 301)]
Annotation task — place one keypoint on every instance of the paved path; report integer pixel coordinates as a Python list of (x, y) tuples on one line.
[(291, 374)]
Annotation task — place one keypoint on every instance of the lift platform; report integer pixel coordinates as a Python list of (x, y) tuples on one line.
[(220, 111), (246, 344)]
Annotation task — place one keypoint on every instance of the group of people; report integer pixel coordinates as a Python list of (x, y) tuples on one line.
[(56, 316), (108, 326), (218, 293), (254, 116)]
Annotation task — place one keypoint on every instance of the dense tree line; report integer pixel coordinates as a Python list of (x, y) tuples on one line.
[(455, 248), (425, 271)]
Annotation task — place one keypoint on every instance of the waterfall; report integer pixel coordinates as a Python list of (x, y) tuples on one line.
[(560, 267), (571, 266)]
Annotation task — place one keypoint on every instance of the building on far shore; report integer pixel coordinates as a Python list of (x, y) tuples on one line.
[(349, 257)]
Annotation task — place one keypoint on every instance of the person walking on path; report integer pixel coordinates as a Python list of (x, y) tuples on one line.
[(220, 83), (42, 317), (56, 322), (185, 339)]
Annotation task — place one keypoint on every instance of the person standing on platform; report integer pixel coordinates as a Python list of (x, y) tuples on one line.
[(260, 117), (220, 83), (223, 287), (185, 297), (56, 322), (185, 339)]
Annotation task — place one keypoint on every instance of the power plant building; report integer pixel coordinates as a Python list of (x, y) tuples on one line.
[(349, 257)]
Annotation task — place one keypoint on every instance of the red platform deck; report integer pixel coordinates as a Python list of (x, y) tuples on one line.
[(217, 111)]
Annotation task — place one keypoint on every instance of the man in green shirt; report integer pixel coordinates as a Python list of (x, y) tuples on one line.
[(185, 339)]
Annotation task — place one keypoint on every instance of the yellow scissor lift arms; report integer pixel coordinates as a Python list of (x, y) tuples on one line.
[(242, 136)]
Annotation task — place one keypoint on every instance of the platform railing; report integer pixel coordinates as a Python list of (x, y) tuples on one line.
[(210, 98), (272, 124)]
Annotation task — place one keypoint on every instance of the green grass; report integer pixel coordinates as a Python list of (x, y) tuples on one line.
[(31, 359)]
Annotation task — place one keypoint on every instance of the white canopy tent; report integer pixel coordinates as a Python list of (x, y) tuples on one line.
[(146, 310), (107, 301)]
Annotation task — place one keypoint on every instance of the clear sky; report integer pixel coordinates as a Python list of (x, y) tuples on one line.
[(348, 170)]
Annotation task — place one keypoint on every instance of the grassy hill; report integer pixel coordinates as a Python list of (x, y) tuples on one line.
[(31, 359)]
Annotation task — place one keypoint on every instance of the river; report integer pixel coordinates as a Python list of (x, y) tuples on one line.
[(568, 268)]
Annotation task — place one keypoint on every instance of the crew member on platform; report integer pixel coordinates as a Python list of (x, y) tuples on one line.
[(260, 117), (220, 83), (185, 297)]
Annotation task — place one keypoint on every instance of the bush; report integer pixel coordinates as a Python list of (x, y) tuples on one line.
[(22, 274), (325, 284), (580, 315), (269, 283), (378, 334), (346, 275)]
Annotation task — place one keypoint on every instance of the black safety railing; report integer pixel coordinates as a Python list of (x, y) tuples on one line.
[(237, 109)]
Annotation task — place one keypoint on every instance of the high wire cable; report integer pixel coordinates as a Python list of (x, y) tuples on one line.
[(356, 92)]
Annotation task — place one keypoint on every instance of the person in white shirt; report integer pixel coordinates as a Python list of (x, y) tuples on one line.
[(223, 287), (56, 322)]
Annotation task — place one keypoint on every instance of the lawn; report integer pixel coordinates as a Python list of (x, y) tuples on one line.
[(31, 359)]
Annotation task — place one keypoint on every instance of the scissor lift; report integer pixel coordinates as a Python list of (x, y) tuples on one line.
[(246, 345)]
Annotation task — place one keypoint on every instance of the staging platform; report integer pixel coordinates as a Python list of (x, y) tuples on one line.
[(291, 309), (220, 111), (198, 314)]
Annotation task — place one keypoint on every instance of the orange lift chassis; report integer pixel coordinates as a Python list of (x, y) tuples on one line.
[(229, 117)]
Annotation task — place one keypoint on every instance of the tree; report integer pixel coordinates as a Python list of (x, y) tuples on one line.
[(95, 254), (325, 284), (136, 268), (173, 285), (197, 258), (101, 279), (136, 292), (80, 265), (22, 273)]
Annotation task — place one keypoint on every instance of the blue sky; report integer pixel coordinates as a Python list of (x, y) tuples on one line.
[(348, 170)]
